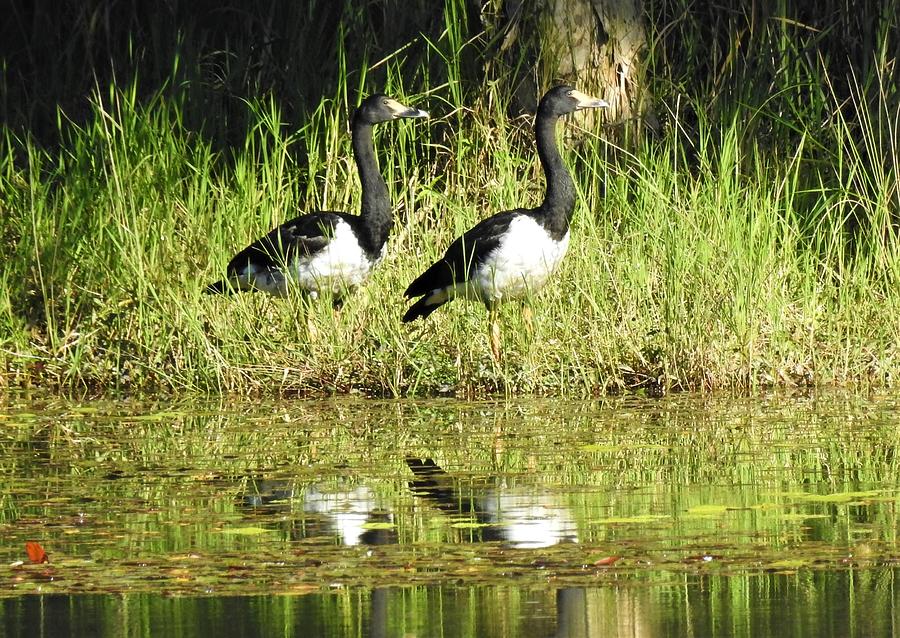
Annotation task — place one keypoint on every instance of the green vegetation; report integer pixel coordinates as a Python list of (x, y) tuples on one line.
[(751, 241)]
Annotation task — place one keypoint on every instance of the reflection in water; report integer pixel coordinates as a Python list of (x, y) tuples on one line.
[(523, 518), (518, 518), (351, 515), (530, 519), (820, 604), (354, 515), (796, 507)]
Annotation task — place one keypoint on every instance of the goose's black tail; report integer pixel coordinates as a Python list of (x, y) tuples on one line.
[(422, 309)]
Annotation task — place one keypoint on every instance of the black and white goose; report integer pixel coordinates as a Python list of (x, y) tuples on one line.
[(514, 252), (324, 250)]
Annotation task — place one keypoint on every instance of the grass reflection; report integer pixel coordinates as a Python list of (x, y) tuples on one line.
[(825, 604), (291, 497)]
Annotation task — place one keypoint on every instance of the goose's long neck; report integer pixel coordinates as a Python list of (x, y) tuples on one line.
[(376, 204), (559, 201)]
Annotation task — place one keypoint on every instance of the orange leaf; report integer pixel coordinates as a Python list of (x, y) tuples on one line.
[(606, 562), (36, 553)]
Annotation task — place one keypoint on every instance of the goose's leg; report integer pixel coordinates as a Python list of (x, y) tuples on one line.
[(494, 319)]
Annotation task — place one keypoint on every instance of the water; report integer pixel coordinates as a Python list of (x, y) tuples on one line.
[(686, 516), (822, 604)]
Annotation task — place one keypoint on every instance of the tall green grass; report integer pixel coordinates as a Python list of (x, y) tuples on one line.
[(712, 255)]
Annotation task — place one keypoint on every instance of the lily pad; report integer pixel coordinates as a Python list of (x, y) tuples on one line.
[(631, 520), (378, 525), (707, 510), (246, 531)]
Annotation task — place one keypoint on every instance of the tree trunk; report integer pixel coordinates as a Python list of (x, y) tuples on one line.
[(596, 45)]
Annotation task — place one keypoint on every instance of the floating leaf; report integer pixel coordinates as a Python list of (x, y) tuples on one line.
[(378, 525), (707, 510), (246, 531), (631, 520), (836, 497), (840, 497), (36, 553), (606, 561)]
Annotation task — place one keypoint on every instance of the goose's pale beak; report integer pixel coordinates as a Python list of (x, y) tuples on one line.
[(588, 102), (400, 110)]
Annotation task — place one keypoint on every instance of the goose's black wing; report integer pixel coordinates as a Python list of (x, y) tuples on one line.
[(458, 265), (464, 255), (305, 235)]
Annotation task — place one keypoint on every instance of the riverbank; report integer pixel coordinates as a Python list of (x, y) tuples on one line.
[(705, 262)]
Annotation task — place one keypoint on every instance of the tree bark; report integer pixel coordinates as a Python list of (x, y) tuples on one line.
[(597, 45)]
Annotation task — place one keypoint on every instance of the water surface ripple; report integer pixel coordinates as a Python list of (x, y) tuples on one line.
[(688, 515)]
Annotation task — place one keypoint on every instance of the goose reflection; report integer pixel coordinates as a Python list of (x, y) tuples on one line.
[(350, 514), (355, 514), (520, 517)]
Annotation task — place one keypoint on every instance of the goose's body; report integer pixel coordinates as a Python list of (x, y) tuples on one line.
[(503, 257), (511, 254), (326, 251)]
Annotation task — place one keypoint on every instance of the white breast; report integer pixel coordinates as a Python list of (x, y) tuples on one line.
[(342, 265), (524, 260)]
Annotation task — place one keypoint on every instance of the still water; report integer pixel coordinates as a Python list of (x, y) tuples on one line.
[(683, 516)]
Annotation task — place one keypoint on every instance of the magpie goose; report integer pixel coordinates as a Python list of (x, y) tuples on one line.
[(324, 250), (512, 253)]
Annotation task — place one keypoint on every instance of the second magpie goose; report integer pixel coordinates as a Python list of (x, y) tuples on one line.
[(511, 253)]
